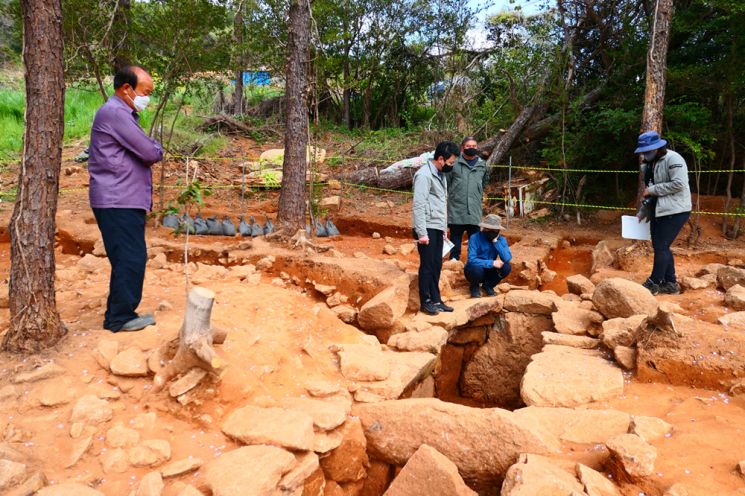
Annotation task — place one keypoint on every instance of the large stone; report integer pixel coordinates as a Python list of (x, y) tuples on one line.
[(11, 473), (730, 276), (694, 283), (327, 414), (150, 485), (571, 319), (187, 382), (464, 312), (617, 297), (496, 369), (180, 467), (407, 369), (534, 475), (383, 310), (151, 452), (46, 371), (569, 340), (530, 302), (348, 462), (345, 313), (305, 466), (625, 356), (649, 428), (733, 321), (579, 284), (429, 472), (735, 297), (54, 394), (91, 410), (581, 425), (131, 362), (69, 489), (584, 377), (596, 484), (79, 447), (272, 426), (432, 340), (364, 363), (603, 256), (631, 458), (482, 442), (622, 331), (30, 486), (709, 269), (115, 461), (120, 436), (105, 352), (248, 471)]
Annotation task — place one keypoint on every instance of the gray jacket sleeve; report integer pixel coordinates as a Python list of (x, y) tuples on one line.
[(678, 173), (419, 209)]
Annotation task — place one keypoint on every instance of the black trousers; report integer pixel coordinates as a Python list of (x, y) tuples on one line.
[(456, 236), (664, 230), (488, 277), (430, 266), (123, 232)]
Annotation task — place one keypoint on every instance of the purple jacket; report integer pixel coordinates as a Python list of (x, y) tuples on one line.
[(120, 158)]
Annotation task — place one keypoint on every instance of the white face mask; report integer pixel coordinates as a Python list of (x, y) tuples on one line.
[(140, 102), (649, 156)]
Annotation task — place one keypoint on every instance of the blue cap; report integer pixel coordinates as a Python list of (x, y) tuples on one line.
[(649, 141)]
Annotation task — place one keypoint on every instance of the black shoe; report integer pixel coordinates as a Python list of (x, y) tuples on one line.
[(489, 291), (443, 307), (671, 288), (652, 286), (430, 308), (475, 291)]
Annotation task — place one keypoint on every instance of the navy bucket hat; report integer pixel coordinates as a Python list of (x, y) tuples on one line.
[(649, 141)]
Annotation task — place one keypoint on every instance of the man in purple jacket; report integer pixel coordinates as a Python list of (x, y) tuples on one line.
[(121, 185)]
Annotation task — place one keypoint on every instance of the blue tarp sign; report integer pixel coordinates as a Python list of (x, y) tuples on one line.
[(256, 78)]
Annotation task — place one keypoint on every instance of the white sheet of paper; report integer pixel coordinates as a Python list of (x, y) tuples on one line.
[(447, 245), (631, 228)]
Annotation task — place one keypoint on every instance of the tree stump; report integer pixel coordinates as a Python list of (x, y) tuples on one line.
[(195, 339)]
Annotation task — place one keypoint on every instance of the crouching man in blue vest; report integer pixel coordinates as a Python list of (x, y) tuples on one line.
[(488, 257)]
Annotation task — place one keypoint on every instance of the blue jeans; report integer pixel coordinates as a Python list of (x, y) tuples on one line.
[(664, 231), (488, 277), (123, 232)]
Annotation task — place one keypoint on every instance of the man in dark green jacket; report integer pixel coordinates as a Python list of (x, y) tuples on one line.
[(466, 185)]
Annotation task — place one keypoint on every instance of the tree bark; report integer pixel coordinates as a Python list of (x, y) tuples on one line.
[(654, 95), (730, 174), (507, 139), (34, 321), (120, 35), (238, 39), (291, 212), (371, 176)]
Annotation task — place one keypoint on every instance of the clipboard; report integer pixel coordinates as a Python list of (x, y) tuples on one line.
[(631, 228), (447, 245)]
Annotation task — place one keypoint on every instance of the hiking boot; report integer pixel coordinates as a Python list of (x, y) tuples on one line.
[(489, 291), (671, 288), (138, 323), (443, 307), (430, 308), (652, 286), (475, 291)]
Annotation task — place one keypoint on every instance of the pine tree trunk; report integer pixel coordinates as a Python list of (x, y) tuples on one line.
[(34, 321), (238, 39), (291, 212), (654, 95)]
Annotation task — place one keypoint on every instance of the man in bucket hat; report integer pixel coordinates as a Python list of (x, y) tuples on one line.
[(667, 205), (488, 257)]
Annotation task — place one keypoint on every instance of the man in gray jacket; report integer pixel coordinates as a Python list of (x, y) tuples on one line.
[(466, 184), (666, 203), (430, 224)]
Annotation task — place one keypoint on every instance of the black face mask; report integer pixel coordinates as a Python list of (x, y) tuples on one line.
[(447, 168), (491, 235), (471, 152)]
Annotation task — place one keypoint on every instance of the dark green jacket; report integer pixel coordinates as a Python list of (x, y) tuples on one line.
[(466, 191)]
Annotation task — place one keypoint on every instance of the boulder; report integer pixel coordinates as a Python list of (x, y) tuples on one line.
[(348, 462), (735, 297), (345, 313), (625, 356), (677, 489), (327, 414), (306, 464), (150, 452), (11, 474), (730, 276), (150, 485), (383, 310), (120, 436), (530, 302), (46, 371), (482, 442), (69, 489), (248, 471), (622, 331), (585, 377), (131, 362), (568, 340), (272, 426), (708, 269), (180, 467), (407, 369), (631, 458), (602, 256), (464, 312), (693, 283), (364, 363), (596, 484), (571, 319), (734, 321), (429, 472), (495, 371), (534, 475), (115, 461), (432, 340), (78, 449), (91, 410), (617, 297), (579, 284), (389, 249), (105, 352), (649, 428), (581, 425)]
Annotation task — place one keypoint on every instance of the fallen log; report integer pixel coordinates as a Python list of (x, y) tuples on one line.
[(228, 125), (371, 176), (195, 340)]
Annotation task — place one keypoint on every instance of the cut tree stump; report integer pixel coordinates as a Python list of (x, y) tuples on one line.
[(195, 339)]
